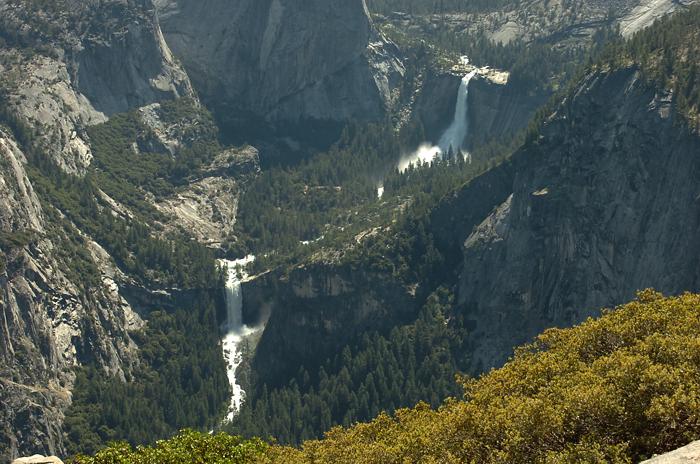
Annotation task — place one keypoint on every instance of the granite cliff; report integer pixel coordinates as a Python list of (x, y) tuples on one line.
[(601, 205), (285, 62)]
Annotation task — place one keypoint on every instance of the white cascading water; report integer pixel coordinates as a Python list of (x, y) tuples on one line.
[(453, 137), (234, 330)]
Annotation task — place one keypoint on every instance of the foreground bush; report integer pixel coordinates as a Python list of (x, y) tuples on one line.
[(188, 447)]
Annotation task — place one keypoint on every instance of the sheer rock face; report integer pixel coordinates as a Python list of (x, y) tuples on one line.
[(604, 204), (284, 60), (49, 323), (96, 59), (131, 68), (316, 310), (496, 109)]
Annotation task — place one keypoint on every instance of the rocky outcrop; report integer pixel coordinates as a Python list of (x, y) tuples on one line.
[(205, 209), (686, 455), (646, 12), (602, 205), (67, 65), (38, 459), (284, 61)]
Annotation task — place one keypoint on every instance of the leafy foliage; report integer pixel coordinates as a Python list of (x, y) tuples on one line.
[(188, 447), (616, 389)]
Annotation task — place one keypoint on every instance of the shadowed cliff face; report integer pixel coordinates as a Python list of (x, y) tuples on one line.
[(603, 204), (316, 311), (499, 111), (283, 60)]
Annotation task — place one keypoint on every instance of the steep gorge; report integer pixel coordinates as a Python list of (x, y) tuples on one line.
[(588, 198)]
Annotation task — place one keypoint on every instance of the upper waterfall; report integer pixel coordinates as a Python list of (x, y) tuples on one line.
[(453, 137)]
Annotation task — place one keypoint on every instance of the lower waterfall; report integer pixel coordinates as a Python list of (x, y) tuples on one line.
[(235, 332)]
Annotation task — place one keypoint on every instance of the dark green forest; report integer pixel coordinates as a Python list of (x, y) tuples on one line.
[(181, 383), (413, 363)]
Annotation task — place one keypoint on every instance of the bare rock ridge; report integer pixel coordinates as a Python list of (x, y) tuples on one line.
[(686, 455), (646, 12), (569, 23), (284, 61)]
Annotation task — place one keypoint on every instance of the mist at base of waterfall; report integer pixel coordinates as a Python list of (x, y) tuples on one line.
[(453, 138)]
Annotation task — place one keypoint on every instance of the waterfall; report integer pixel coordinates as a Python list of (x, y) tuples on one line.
[(455, 134), (234, 330)]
